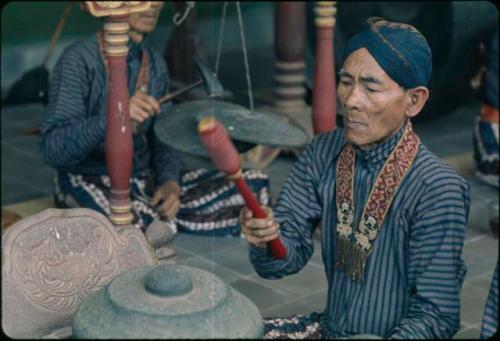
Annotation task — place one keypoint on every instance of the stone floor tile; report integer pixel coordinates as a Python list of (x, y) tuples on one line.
[(181, 254), (24, 114), (236, 259), (468, 334), (310, 279), (286, 310), (43, 179), (30, 207), (473, 300), (20, 164), (482, 282), (481, 255), (207, 246), (14, 190), (316, 258), (223, 273), (262, 296), (27, 144), (312, 303)]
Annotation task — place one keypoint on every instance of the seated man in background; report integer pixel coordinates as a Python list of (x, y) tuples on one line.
[(164, 197), (393, 215), (486, 127)]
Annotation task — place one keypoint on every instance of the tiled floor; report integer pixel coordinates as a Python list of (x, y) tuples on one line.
[(24, 176)]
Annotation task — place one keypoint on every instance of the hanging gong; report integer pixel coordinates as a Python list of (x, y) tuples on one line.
[(177, 126)]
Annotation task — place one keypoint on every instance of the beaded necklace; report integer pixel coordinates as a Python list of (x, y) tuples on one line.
[(354, 247)]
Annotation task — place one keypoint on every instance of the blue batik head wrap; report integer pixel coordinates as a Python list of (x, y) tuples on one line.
[(400, 49)]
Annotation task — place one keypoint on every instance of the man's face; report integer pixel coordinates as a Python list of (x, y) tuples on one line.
[(374, 105), (145, 22)]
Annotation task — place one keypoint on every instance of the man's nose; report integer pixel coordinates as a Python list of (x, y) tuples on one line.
[(353, 97)]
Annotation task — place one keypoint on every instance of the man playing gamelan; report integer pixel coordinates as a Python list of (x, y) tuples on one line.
[(392, 214), (164, 195)]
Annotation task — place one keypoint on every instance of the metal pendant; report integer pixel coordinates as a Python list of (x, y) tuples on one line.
[(350, 257)]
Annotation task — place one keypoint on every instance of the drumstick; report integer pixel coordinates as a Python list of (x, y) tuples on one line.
[(169, 97), (172, 95), (226, 159)]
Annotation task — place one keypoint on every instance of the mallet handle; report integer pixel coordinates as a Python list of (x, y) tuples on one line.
[(275, 246), (225, 157)]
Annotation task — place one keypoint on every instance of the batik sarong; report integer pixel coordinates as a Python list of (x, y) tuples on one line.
[(210, 204), (298, 327)]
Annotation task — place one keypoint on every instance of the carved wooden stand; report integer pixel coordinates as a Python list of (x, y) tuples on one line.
[(119, 145), (324, 106)]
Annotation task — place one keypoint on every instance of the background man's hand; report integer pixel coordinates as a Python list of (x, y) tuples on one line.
[(167, 195), (142, 106), (258, 231)]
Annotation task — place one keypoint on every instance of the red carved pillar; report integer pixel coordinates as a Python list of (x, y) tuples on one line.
[(324, 105), (290, 41), (119, 145)]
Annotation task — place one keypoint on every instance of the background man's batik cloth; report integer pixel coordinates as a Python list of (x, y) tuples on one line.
[(210, 204)]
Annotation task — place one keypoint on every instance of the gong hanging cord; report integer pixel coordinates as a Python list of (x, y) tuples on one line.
[(219, 48), (221, 38), (245, 55), (178, 21), (243, 47)]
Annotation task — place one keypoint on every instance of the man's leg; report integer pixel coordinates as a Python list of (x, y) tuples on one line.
[(93, 192), (211, 204)]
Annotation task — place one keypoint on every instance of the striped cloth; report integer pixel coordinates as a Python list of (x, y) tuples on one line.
[(72, 141), (412, 280), (210, 204), (76, 114), (489, 325)]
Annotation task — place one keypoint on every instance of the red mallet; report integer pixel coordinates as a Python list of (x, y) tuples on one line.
[(227, 159)]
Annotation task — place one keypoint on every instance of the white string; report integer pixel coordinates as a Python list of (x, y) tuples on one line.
[(243, 45), (221, 37)]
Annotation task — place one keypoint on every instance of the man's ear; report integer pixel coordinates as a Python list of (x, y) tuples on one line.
[(417, 98)]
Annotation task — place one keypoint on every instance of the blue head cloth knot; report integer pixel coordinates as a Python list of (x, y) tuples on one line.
[(400, 49)]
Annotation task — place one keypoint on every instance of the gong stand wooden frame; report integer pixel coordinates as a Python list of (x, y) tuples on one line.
[(119, 144), (324, 105)]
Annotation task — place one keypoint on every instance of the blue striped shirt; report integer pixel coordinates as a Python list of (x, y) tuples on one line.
[(74, 126), (490, 318), (413, 277)]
